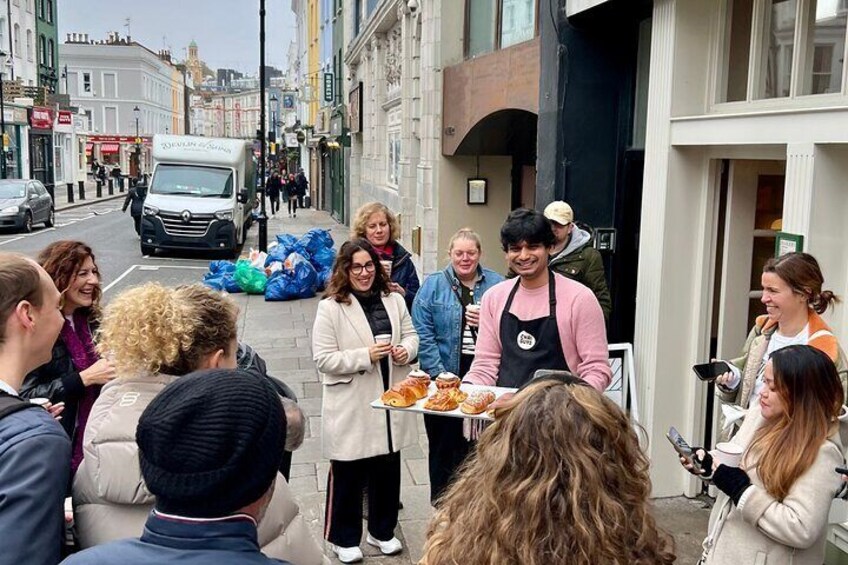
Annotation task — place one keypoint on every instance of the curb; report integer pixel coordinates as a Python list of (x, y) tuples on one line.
[(90, 202)]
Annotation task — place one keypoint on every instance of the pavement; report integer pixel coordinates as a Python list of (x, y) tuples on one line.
[(62, 202), (281, 333)]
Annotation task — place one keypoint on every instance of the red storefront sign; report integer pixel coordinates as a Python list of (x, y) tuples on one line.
[(110, 148), (65, 118), (118, 139), (41, 118)]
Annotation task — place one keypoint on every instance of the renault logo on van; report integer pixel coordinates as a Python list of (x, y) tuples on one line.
[(186, 216)]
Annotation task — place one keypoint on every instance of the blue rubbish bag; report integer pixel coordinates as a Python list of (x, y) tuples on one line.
[(315, 240), (323, 259), (324, 278), (286, 245), (279, 287), (220, 277)]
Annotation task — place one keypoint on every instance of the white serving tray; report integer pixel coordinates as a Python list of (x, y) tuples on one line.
[(418, 407)]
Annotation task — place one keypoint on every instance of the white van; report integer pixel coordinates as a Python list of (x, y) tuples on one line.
[(201, 194)]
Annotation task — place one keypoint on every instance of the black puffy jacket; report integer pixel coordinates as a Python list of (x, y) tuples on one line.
[(59, 381)]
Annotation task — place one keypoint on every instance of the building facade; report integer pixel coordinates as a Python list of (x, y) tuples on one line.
[(47, 40), (108, 80), (18, 37)]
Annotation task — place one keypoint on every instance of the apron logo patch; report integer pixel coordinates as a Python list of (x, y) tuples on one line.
[(526, 341)]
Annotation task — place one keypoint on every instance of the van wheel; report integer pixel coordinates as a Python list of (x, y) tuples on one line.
[(147, 249), (28, 222)]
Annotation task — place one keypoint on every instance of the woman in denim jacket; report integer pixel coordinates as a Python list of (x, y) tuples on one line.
[(447, 330)]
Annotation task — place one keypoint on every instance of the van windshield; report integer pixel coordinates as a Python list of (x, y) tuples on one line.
[(185, 180)]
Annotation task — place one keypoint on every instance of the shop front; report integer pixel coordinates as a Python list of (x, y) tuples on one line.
[(15, 119), (63, 131), (41, 165), (131, 154)]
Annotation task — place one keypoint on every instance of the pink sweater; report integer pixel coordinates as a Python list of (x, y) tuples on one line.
[(581, 330)]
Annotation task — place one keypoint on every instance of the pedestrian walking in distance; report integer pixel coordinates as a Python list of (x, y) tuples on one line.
[(275, 186)]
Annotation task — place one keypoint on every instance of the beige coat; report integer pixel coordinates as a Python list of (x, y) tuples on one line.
[(112, 502), (341, 336), (768, 531)]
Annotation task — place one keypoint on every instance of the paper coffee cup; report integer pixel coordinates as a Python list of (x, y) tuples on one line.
[(387, 267), (383, 338), (728, 454), (473, 308)]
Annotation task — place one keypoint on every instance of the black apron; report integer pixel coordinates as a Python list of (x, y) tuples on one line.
[(529, 345)]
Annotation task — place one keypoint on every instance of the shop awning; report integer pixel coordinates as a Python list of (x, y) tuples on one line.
[(89, 147), (110, 148)]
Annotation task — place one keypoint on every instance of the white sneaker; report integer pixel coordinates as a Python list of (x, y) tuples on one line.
[(386, 547), (348, 554)]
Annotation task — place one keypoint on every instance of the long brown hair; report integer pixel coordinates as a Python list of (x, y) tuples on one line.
[(62, 260), (802, 273), (808, 383), (558, 478), (339, 287)]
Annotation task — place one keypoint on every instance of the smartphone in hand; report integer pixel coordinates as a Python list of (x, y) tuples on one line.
[(711, 371), (683, 449)]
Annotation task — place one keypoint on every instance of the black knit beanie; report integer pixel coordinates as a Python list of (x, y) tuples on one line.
[(211, 442)]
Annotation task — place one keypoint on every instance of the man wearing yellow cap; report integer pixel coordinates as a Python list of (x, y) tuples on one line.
[(574, 256)]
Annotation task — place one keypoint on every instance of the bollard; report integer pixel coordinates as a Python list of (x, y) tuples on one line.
[(81, 187), (111, 186), (99, 189), (70, 193), (81, 190), (120, 184)]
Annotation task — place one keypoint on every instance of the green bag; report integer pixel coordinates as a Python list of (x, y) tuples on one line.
[(250, 279)]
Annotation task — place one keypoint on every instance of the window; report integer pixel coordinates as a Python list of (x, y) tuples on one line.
[(86, 83), (16, 37), (3, 31), (29, 46), (29, 7), (783, 49), (110, 86), (825, 45), (394, 158), (49, 15), (497, 24), (110, 120), (51, 54), (42, 50)]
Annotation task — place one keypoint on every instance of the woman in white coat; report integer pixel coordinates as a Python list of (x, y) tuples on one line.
[(773, 508), (362, 444)]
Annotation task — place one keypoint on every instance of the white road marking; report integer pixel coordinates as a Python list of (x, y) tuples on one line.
[(119, 279), (11, 240), (149, 268)]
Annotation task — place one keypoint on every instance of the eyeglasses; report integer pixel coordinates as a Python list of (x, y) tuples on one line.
[(357, 269)]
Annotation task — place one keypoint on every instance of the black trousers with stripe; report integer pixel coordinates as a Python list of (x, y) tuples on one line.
[(343, 519)]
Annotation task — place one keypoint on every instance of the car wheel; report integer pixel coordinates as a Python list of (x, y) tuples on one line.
[(51, 219), (147, 249), (28, 222)]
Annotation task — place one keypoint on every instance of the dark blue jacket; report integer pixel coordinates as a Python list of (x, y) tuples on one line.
[(404, 273), (35, 463), (172, 540)]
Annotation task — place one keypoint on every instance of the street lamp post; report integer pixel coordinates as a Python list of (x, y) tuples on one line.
[(263, 218), (2, 118), (137, 114)]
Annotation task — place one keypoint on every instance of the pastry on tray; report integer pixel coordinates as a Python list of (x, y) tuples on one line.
[(447, 380), (442, 401), (477, 402), (418, 386), (419, 376), (399, 396)]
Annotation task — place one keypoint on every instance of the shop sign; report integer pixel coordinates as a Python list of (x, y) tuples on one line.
[(355, 111), (117, 139), (288, 100), (329, 91), (65, 118), (41, 118), (291, 140), (336, 123), (14, 115)]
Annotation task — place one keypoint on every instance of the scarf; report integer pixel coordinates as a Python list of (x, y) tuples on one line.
[(77, 338), (386, 252)]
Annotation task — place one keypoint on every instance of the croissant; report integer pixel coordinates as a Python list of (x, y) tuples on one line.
[(477, 402), (457, 394), (442, 401), (419, 386), (399, 396)]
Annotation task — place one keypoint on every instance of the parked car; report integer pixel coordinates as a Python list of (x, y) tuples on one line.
[(24, 203)]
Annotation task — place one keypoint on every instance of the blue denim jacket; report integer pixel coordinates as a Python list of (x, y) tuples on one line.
[(437, 315)]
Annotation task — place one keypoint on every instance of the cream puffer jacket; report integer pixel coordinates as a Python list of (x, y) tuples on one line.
[(112, 502)]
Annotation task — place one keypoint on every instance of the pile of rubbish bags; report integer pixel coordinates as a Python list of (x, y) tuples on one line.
[(293, 268)]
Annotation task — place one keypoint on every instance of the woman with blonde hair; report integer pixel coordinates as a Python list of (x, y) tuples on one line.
[(377, 224), (558, 478), (446, 314), (773, 507), (154, 335)]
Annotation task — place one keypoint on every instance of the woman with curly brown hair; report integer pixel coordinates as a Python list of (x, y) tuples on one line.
[(558, 478), (76, 372), (155, 335)]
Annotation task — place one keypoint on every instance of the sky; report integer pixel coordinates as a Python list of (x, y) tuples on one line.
[(226, 31)]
